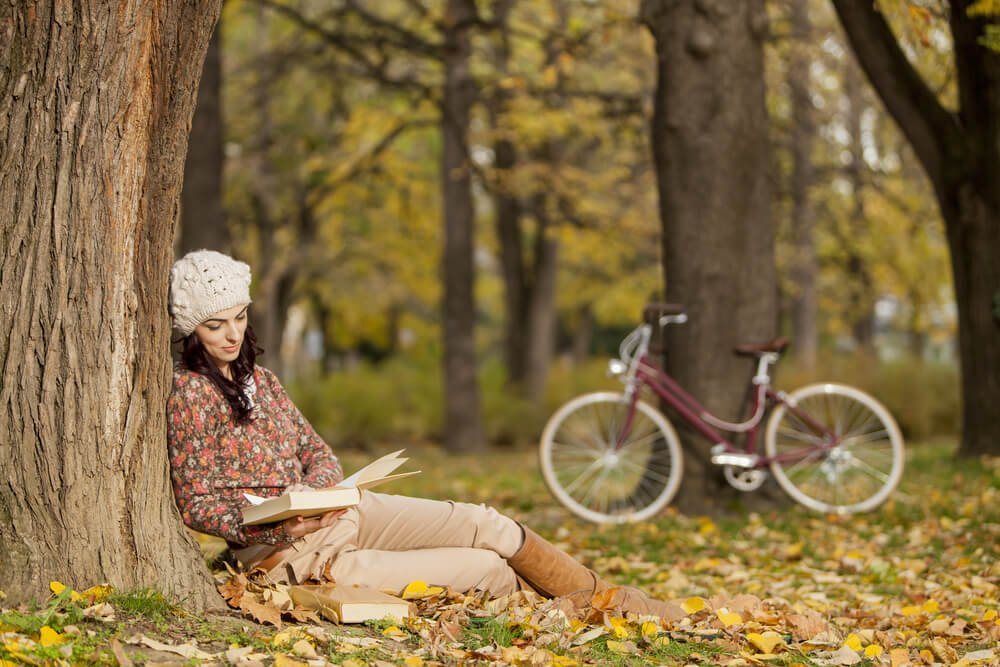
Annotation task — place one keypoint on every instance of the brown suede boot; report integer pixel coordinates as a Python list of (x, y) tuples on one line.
[(553, 573)]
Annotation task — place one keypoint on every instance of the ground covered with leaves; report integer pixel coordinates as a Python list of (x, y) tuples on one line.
[(916, 583)]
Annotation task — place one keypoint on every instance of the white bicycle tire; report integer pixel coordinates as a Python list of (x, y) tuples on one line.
[(670, 457), (815, 396)]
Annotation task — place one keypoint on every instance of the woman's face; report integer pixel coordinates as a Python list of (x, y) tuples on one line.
[(222, 335)]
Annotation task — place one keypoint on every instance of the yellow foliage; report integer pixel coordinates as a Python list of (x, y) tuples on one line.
[(728, 617), (419, 589), (49, 637), (693, 605), (765, 642)]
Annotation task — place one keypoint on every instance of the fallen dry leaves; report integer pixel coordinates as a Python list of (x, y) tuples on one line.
[(916, 583)]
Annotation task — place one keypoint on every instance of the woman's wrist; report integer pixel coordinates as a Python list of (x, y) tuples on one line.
[(284, 535)]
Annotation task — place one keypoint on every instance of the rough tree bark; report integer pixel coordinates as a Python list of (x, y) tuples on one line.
[(960, 150), (203, 220), (463, 427), (710, 147), (804, 269), (95, 105)]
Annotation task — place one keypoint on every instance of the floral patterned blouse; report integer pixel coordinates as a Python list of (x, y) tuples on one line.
[(214, 460)]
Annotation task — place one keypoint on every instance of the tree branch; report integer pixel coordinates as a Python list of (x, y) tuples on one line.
[(930, 127), (344, 43), (407, 39)]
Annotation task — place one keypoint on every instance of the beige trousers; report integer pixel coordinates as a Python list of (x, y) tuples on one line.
[(388, 541)]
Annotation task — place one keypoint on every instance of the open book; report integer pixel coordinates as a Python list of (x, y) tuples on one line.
[(320, 501), (349, 604)]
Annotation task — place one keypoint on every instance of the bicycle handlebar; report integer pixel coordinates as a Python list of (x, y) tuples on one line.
[(680, 318)]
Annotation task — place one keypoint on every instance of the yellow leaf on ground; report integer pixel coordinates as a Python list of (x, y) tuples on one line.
[(420, 589), (413, 661), (853, 642), (898, 657), (622, 647), (910, 610), (394, 631), (649, 629), (619, 627), (57, 587), (282, 660), (98, 593), (794, 550), (990, 614), (766, 641), (49, 637), (289, 636), (930, 606), (728, 617), (873, 651), (693, 605)]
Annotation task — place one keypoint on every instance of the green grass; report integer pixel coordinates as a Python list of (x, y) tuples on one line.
[(144, 604)]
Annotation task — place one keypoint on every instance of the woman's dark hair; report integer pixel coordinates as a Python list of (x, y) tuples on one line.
[(196, 359)]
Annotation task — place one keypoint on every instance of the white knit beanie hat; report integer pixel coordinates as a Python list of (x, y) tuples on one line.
[(204, 282)]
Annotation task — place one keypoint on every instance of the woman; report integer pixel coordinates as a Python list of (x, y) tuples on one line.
[(232, 429)]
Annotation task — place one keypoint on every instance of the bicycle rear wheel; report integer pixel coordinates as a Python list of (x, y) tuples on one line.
[(861, 468), (603, 475)]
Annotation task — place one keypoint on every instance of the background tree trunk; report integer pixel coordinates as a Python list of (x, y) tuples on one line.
[(710, 147), (861, 290), (203, 219), (463, 421), (961, 153), (95, 102), (804, 265), (541, 309)]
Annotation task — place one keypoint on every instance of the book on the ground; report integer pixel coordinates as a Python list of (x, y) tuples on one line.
[(349, 604), (320, 501)]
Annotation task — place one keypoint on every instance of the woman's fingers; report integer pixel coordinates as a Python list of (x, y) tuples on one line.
[(300, 526), (330, 518)]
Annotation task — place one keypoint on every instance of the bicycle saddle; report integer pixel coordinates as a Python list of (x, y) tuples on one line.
[(753, 349)]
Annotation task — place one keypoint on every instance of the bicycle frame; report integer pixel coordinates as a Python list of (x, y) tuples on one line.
[(643, 372)]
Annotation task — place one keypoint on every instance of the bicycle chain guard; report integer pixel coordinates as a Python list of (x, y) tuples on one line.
[(744, 479)]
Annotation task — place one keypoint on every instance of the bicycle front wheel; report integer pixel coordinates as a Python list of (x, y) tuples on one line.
[(835, 449), (605, 468)]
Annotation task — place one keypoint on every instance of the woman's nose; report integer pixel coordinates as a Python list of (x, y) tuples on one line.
[(232, 332)]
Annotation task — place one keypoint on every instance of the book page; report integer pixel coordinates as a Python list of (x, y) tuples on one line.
[(374, 470)]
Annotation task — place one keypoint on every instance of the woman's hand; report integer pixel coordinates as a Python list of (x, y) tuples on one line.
[(299, 526)]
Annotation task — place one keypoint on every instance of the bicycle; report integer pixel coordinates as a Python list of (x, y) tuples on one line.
[(611, 457)]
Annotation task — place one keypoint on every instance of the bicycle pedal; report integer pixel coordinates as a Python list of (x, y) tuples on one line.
[(733, 459)]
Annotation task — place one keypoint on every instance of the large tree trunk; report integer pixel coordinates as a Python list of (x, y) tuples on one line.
[(804, 267), (203, 220), (961, 153), (463, 428), (95, 102), (710, 146)]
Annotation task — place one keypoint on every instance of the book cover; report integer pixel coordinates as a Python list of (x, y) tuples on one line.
[(349, 604), (320, 501)]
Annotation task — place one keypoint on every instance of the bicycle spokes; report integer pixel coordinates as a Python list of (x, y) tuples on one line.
[(610, 460), (837, 449)]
